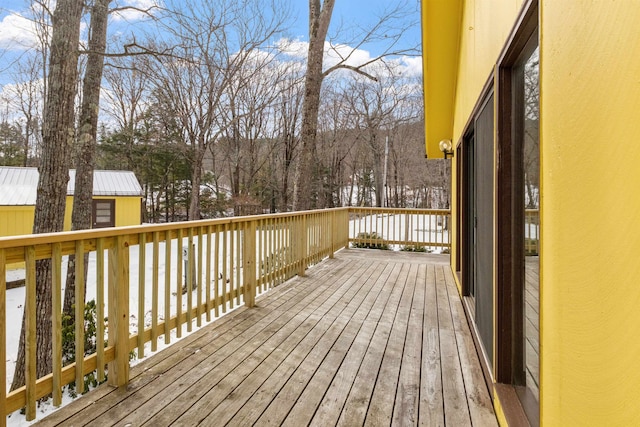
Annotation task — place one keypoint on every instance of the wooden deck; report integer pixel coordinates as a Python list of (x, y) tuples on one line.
[(367, 338)]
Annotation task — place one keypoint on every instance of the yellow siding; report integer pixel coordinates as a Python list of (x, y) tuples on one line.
[(16, 220), (590, 133), (127, 210), (589, 139), (485, 28), (484, 31), (440, 38), (461, 42)]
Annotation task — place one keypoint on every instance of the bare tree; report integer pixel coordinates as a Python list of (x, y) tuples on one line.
[(319, 20), (247, 123), (216, 41), (28, 101), (58, 136), (389, 28), (288, 118), (85, 158)]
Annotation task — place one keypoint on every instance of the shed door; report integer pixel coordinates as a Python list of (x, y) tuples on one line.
[(104, 213)]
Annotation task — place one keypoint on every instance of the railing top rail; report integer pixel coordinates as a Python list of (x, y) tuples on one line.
[(400, 210), (66, 236)]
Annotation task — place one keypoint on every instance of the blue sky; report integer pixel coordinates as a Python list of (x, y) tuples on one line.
[(359, 12), (15, 34)]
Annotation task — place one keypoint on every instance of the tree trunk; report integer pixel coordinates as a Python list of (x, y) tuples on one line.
[(58, 136), (81, 216), (196, 180), (319, 19)]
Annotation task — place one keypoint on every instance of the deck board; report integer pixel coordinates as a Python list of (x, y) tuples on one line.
[(367, 338)]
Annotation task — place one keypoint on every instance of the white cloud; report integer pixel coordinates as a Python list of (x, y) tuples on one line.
[(17, 33), (293, 48), (411, 66)]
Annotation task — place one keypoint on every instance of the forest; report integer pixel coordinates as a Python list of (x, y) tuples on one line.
[(206, 105)]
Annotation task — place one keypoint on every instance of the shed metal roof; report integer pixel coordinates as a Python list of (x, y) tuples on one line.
[(18, 186)]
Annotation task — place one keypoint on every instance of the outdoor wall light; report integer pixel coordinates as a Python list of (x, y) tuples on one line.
[(446, 147)]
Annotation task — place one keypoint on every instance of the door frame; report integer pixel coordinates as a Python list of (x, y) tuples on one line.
[(510, 311)]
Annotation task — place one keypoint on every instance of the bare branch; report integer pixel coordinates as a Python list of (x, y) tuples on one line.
[(146, 11)]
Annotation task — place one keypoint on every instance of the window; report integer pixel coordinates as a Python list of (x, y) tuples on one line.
[(104, 213)]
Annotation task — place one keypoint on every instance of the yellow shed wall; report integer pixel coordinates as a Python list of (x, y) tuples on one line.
[(16, 220), (590, 144), (127, 210)]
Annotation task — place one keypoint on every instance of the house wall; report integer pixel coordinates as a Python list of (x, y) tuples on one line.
[(485, 28), (483, 31), (590, 153), (590, 176)]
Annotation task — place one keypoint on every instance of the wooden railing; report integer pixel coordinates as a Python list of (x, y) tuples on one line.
[(531, 232), (179, 273), (411, 229)]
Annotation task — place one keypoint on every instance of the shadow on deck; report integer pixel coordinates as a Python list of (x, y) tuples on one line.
[(367, 338)]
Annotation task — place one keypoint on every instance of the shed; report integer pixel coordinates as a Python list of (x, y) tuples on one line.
[(117, 197)]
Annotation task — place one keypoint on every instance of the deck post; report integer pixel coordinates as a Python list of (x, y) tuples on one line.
[(344, 228), (249, 264), (303, 245), (332, 233), (119, 311)]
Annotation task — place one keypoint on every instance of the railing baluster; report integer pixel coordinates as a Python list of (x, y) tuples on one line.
[(179, 284), (208, 275), (238, 263), (272, 240), (198, 281), (30, 337), (100, 308), (216, 272), (167, 287), (79, 315), (155, 283), (190, 268), (56, 322), (142, 252), (232, 265), (259, 256), (304, 236)]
